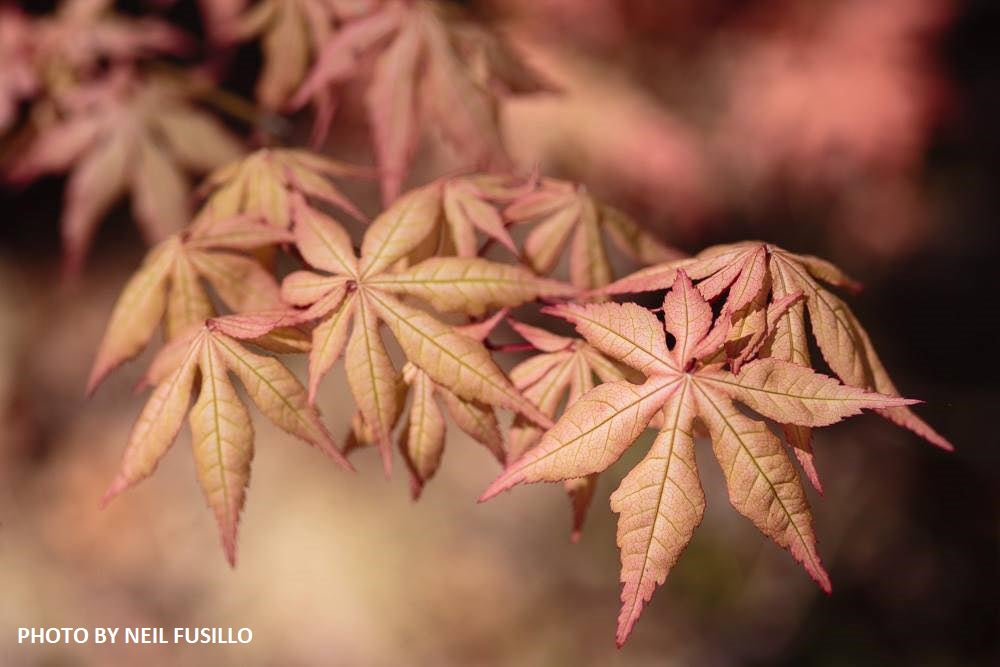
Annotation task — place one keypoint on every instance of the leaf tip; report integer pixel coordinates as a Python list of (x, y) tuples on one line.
[(229, 547), (386, 453), (119, 484), (500, 484), (97, 375)]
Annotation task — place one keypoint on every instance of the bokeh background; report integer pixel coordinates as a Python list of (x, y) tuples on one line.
[(862, 131)]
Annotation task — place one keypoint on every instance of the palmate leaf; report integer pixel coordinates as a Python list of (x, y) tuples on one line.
[(563, 372), (120, 135), (222, 435), (359, 294), (291, 34), (660, 501), (759, 276), (273, 183), (567, 214), (169, 287), (431, 69)]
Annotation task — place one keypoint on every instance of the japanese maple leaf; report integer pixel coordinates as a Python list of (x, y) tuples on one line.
[(470, 204), (270, 183), (365, 290), (292, 32), (757, 275), (421, 441), (168, 287), (562, 372), (431, 69), (565, 212), (221, 430), (18, 80), (660, 502), (122, 135), (82, 35)]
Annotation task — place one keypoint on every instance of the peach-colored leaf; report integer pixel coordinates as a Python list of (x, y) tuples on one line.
[(328, 341), (545, 243), (304, 288), (338, 58), (650, 279), (400, 229), (581, 494), (588, 262), (660, 503), (639, 245), (240, 232), (222, 441), (456, 362), (847, 349), (265, 192), (96, 182), (794, 394), (158, 424), (277, 394), (762, 482), (687, 317), (167, 360), (242, 283), (799, 439), (470, 285), (55, 149), (476, 419), (136, 314), (392, 108), (159, 192), (251, 326), (591, 435), (312, 181), (540, 339), (543, 379), (188, 305), (372, 377), (626, 332), (466, 211), (423, 439), (462, 109), (285, 44), (482, 329), (324, 244)]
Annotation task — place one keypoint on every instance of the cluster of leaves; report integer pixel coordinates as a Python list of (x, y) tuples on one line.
[(113, 124), (440, 269), (578, 403), (96, 116)]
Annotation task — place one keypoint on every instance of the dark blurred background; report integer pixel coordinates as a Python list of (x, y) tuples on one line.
[(861, 131)]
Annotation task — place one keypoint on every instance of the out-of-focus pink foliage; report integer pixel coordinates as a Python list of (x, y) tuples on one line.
[(835, 100), (83, 33), (17, 76), (432, 69), (124, 134)]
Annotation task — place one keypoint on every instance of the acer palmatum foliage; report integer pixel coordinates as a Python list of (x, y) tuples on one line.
[(417, 265), (441, 269), (124, 135), (432, 69), (661, 502)]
